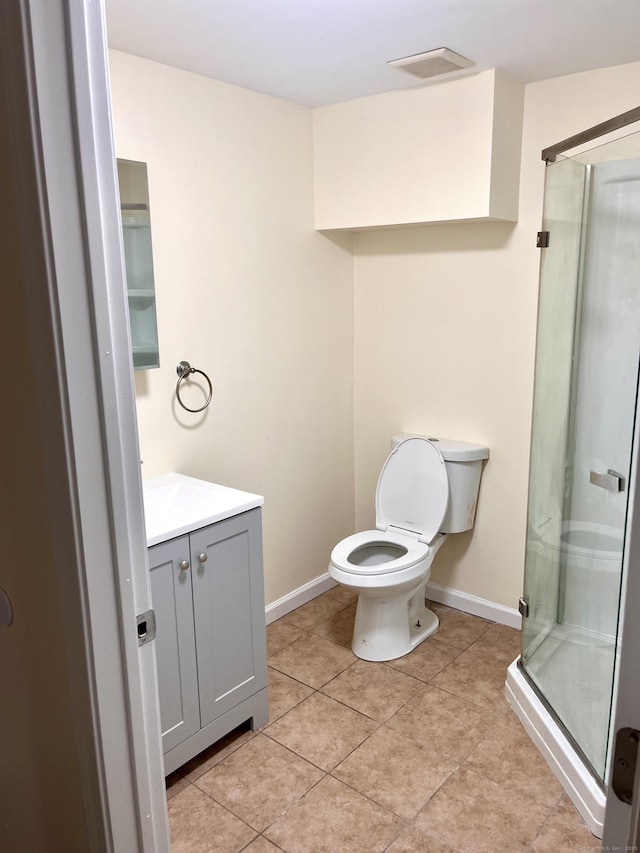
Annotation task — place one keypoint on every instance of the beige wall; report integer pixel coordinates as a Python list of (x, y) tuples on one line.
[(445, 336), (444, 320), (250, 293)]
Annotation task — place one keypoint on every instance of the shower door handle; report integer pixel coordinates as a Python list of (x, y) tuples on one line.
[(612, 481)]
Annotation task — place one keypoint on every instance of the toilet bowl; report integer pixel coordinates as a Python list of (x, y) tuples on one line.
[(427, 488), (583, 553)]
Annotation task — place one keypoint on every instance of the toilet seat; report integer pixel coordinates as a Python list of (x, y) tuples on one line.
[(412, 494), (415, 552), (411, 501)]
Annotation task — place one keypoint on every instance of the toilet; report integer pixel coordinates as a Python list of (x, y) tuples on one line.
[(428, 488)]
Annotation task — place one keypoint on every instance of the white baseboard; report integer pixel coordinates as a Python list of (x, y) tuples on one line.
[(474, 605), (298, 597), (442, 594)]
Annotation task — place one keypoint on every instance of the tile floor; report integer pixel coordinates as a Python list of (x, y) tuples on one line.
[(419, 754)]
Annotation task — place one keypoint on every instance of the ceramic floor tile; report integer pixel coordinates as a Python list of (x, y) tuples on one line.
[(473, 814), (281, 634), (426, 660), (373, 689), (333, 818), (565, 832), (259, 781), (175, 782), (423, 753), (457, 628), (216, 753), (261, 845), (321, 730), (318, 610), (284, 694), (339, 627), (340, 593), (411, 840), (198, 825), (312, 660), (395, 772), (451, 726), (501, 642), (476, 677), (508, 757)]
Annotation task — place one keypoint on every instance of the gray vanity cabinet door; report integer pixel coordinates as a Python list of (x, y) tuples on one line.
[(171, 597), (228, 604)]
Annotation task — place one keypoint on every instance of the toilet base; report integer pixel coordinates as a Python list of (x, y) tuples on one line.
[(386, 629)]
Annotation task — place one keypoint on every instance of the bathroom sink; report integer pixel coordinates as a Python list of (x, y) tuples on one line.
[(175, 504)]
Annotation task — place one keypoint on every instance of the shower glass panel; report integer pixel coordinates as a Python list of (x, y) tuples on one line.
[(586, 385)]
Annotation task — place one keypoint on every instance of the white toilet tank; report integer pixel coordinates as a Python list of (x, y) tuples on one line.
[(464, 469)]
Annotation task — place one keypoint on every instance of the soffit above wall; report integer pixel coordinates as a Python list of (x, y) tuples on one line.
[(444, 154)]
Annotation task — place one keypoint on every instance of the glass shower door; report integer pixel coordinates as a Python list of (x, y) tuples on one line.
[(584, 407), (557, 305)]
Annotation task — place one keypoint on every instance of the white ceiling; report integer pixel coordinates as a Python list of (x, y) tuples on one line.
[(317, 52)]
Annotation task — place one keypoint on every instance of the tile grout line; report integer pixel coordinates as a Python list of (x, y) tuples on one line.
[(308, 632), (329, 773), (406, 821), (553, 811), (295, 803)]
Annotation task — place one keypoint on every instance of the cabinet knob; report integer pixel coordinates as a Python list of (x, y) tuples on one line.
[(202, 558), (184, 565)]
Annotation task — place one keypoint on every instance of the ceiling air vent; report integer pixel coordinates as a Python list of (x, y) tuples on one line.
[(432, 63)]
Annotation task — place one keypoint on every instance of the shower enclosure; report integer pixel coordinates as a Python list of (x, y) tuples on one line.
[(585, 398)]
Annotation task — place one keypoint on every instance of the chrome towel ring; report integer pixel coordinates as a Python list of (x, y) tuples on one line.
[(184, 370)]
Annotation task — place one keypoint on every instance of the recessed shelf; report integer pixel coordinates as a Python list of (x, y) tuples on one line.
[(141, 293), (138, 256)]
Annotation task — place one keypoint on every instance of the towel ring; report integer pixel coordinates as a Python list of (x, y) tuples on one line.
[(184, 370)]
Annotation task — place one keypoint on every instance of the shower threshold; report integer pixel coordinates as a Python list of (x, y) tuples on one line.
[(571, 673), (584, 790)]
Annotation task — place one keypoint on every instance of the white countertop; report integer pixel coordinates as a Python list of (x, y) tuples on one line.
[(175, 504)]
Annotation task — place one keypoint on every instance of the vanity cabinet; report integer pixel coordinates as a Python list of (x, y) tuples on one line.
[(207, 594)]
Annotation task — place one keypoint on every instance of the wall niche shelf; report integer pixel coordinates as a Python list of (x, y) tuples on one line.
[(136, 236)]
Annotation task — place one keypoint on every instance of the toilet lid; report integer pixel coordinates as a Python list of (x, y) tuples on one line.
[(413, 489)]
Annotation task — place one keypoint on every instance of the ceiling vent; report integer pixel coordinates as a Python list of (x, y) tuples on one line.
[(432, 63)]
